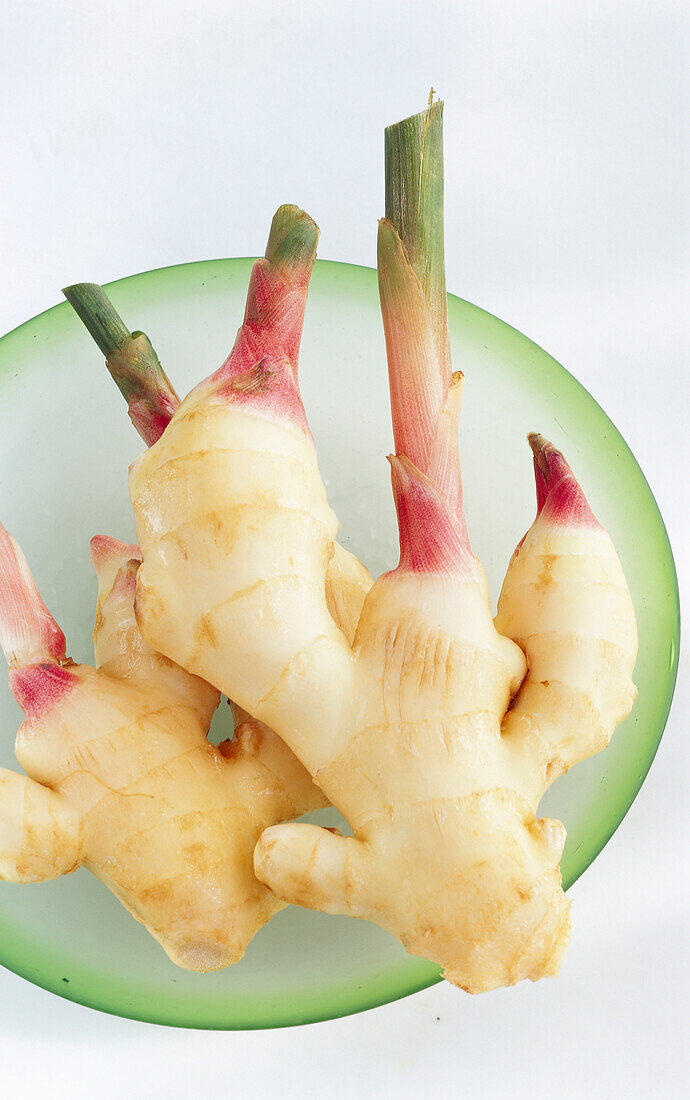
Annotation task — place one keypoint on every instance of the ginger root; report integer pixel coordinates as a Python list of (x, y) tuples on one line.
[(121, 778)]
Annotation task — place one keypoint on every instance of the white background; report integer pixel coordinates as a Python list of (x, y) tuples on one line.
[(135, 135)]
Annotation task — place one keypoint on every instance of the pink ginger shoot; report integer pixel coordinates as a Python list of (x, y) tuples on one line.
[(31, 640), (560, 500), (432, 538), (425, 395), (261, 370), (28, 632), (37, 688)]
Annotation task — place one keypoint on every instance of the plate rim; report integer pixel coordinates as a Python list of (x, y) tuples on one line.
[(356, 1004)]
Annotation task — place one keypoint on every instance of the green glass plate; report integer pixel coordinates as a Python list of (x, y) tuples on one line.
[(65, 444)]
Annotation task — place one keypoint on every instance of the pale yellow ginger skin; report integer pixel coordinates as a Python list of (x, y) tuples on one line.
[(461, 870), (402, 731), (231, 504), (347, 583), (40, 835), (124, 782), (441, 858), (566, 602)]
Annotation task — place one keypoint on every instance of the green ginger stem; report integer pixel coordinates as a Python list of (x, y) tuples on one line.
[(131, 360)]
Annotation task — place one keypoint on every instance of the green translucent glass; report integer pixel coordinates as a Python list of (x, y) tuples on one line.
[(66, 443)]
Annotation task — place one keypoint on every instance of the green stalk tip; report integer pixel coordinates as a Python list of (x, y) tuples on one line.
[(292, 241), (98, 313)]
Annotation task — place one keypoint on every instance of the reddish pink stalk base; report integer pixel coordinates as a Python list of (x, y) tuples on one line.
[(39, 687), (268, 389), (560, 500), (151, 422), (261, 370), (432, 538)]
